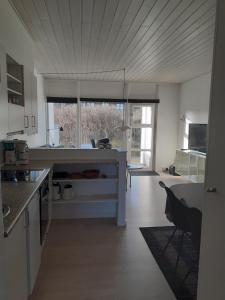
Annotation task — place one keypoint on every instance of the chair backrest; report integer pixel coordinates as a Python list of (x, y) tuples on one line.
[(93, 143), (176, 210)]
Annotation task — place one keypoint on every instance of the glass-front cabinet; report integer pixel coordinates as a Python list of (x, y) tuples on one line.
[(190, 164)]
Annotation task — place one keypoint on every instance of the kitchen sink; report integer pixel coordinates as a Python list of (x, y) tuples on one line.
[(5, 210)]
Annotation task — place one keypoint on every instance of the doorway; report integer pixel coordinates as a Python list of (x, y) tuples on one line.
[(141, 135)]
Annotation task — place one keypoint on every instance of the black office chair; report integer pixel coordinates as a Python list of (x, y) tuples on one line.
[(176, 212), (93, 143)]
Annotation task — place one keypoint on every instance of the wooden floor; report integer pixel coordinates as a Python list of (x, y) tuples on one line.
[(95, 260)]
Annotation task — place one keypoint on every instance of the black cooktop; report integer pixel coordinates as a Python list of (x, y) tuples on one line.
[(20, 175)]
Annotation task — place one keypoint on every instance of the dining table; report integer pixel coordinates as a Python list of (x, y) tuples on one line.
[(191, 193)]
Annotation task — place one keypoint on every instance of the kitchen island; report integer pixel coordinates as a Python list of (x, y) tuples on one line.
[(101, 196)]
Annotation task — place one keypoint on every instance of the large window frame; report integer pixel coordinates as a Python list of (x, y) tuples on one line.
[(126, 117)]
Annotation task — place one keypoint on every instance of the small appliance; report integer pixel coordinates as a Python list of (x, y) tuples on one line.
[(16, 152), (9, 152), (56, 190), (68, 192), (22, 152)]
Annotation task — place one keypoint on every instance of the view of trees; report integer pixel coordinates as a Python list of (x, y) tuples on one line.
[(98, 120), (65, 116), (101, 120)]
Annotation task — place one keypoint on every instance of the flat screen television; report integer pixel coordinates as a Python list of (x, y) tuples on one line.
[(197, 138)]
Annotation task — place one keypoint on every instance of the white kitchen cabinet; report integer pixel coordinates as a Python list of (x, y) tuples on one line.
[(34, 106), (16, 118), (23, 253), (3, 95), (16, 261), (30, 109), (15, 91), (27, 101), (33, 239)]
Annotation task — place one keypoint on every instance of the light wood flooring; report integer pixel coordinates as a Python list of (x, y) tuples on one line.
[(95, 260)]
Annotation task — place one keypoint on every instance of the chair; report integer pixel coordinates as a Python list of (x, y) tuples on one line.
[(176, 212), (132, 167), (195, 223), (93, 143)]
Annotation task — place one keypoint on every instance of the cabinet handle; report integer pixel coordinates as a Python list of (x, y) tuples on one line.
[(34, 121), (27, 219), (26, 122)]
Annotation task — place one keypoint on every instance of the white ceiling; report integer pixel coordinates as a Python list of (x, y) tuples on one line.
[(155, 40)]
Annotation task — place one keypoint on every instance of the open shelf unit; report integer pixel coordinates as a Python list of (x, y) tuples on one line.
[(85, 190), (68, 180), (89, 199), (15, 82), (191, 164)]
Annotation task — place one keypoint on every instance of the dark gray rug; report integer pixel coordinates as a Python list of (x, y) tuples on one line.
[(143, 173), (156, 239)]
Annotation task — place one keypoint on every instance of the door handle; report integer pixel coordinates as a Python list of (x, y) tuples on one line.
[(211, 190)]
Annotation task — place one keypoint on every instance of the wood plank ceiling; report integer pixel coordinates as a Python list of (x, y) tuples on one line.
[(155, 40)]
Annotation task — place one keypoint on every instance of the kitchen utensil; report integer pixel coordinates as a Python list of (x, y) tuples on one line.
[(8, 145), (60, 175), (10, 156), (76, 175), (91, 174), (23, 155), (21, 146), (68, 192), (56, 190)]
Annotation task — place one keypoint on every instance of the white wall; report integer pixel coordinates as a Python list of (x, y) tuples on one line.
[(194, 105), (102, 89), (167, 109), (15, 41), (167, 126)]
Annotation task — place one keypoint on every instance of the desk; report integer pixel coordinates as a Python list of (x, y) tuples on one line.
[(192, 193)]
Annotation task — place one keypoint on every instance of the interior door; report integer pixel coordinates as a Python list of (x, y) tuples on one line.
[(141, 135), (212, 258), (2, 254)]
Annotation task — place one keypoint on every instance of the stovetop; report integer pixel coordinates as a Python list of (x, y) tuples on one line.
[(20, 175)]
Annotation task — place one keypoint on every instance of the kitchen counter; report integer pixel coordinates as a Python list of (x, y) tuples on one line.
[(112, 204), (17, 195)]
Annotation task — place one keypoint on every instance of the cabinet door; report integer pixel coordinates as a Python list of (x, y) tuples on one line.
[(3, 95), (16, 262), (34, 248), (34, 114), (27, 100)]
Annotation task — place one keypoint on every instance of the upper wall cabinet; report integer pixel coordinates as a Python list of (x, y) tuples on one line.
[(14, 82), (3, 95), (27, 100), (15, 91), (34, 106)]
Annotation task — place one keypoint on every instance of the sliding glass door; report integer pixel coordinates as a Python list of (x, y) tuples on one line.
[(141, 135)]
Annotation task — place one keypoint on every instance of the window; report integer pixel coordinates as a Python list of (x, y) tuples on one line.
[(73, 123), (62, 124), (100, 120), (140, 148)]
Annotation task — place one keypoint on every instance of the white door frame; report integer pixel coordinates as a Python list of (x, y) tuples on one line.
[(212, 256), (152, 125)]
